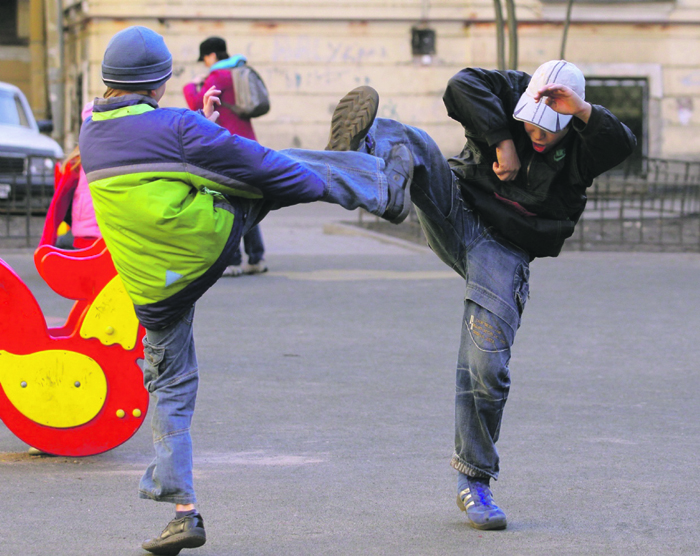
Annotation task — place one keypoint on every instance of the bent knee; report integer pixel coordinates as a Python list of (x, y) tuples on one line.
[(488, 332)]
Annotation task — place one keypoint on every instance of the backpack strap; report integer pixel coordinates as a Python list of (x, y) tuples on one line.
[(233, 108)]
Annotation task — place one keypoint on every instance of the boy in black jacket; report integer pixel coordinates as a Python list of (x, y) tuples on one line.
[(515, 193)]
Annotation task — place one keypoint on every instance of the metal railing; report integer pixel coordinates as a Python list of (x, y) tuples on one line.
[(24, 199), (655, 206), (648, 205)]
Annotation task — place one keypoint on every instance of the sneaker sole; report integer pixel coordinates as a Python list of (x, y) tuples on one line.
[(352, 119), (495, 526), (232, 273), (252, 272), (194, 538)]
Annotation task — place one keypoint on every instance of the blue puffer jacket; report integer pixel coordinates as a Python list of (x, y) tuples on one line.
[(167, 186)]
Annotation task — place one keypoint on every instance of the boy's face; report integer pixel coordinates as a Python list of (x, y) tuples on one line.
[(544, 141)]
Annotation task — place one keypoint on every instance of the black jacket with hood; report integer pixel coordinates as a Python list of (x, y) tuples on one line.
[(539, 209)]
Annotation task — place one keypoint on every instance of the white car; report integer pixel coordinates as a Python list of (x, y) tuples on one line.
[(27, 158)]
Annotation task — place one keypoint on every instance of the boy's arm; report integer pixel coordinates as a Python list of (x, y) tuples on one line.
[(483, 102), (605, 142), (507, 163), (241, 167)]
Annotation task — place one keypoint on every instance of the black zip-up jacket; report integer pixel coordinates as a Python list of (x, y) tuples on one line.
[(550, 188)]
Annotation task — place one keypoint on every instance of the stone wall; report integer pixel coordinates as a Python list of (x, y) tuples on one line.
[(310, 52)]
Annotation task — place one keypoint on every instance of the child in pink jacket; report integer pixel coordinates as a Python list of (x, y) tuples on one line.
[(72, 185)]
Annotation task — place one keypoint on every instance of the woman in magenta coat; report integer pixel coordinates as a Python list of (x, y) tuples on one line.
[(215, 57)]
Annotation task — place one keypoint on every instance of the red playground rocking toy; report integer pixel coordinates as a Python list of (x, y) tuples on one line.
[(74, 390)]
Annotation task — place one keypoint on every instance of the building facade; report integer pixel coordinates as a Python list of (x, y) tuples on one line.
[(640, 58), (28, 53)]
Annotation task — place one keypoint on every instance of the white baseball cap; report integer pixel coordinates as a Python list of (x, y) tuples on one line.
[(538, 113)]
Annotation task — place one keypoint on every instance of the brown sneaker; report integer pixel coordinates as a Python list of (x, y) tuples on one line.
[(352, 118)]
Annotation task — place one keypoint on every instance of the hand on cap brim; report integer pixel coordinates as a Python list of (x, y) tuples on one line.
[(561, 99)]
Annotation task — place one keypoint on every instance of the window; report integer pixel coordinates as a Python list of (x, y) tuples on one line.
[(628, 99), (11, 110), (14, 22)]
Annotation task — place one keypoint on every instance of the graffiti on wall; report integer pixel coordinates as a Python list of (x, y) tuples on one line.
[(310, 49)]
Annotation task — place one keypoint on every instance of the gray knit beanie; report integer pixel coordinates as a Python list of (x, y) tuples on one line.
[(136, 59)]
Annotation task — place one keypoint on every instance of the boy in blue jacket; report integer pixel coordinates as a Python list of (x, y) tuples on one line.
[(173, 194)]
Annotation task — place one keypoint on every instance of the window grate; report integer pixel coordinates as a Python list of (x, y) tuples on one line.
[(628, 99)]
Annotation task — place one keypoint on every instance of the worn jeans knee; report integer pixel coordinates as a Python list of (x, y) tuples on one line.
[(486, 355), (482, 387)]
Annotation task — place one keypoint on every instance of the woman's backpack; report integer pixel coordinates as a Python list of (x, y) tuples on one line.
[(252, 98)]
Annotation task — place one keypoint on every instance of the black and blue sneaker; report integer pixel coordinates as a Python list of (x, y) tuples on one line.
[(477, 501)]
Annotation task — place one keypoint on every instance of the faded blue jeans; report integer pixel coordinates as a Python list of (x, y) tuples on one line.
[(171, 374), (496, 274)]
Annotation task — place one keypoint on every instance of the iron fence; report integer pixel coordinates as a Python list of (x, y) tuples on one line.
[(650, 204), (655, 206), (26, 189)]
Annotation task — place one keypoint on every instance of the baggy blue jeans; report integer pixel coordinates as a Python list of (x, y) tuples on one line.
[(496, 274), (170, 367)]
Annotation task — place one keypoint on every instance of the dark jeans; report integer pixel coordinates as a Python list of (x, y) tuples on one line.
[(254, 248)]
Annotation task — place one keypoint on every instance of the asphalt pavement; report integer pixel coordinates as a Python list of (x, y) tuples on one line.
[(324, 422)]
